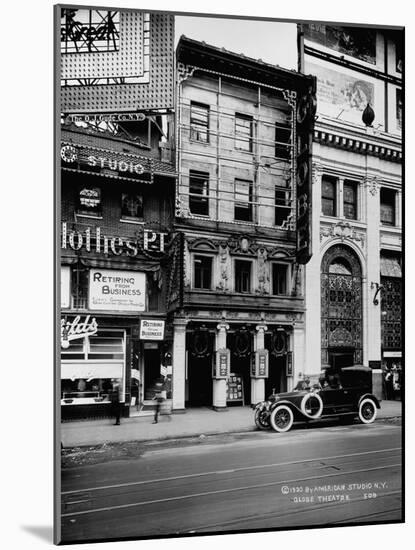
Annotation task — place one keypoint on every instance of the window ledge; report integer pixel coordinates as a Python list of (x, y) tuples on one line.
[(136, 222), (90, 216)]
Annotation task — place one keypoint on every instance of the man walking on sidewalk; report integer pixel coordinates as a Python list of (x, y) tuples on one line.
[(116, 398)]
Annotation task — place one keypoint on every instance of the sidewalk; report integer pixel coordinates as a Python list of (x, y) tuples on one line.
[(192, 423)]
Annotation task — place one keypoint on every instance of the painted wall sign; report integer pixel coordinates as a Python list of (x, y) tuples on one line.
[(107, 117), (117, 290), (359, 43), (78, 328), (65, 286), (151, 329), (93, 240), (341, 95)]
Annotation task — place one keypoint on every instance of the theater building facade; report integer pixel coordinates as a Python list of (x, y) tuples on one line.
[(238, 320), (354, 280)]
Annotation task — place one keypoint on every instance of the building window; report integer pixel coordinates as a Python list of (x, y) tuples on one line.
[(199, 122), (350, 200), (199, 193), (387, 206), (89, 201), (282, 141), (203, 272), (243, 200), (242, 276), (244, 131), (79, 287), (282, 205), (279, 279), (328, 195), (131, 206)]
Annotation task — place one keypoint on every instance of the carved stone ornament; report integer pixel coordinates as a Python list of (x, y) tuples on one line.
[(344, 230), (373, 185), (184, 72)]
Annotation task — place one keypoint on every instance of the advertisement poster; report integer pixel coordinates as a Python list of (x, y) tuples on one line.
[(340, 95), (117, 290), (359, 43)]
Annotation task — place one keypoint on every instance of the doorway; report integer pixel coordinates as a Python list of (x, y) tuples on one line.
[(151, 371), (340, 359), (200, 381)]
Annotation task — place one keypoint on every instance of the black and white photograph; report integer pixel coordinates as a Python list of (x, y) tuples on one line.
[(229, 206)]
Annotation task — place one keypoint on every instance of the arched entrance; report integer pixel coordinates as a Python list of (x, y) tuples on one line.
[(341, 308)]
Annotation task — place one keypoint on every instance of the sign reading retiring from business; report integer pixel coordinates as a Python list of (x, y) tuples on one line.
[(111, 290), (151, 329)]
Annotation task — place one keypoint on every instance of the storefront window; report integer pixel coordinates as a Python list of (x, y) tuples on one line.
[(89, 367), (89, 201)]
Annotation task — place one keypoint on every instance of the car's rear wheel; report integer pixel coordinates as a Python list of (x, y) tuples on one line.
[(262, 419), (367, 411), (281, 418)]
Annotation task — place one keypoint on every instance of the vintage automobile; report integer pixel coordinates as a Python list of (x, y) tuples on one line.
[(344, 393)]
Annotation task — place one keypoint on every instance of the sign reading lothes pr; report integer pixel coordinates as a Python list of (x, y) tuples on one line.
[(117, 290), (151, 329)]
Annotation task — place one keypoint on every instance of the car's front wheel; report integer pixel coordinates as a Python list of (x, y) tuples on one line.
[(262, 419), (367, 411), (281, 418)]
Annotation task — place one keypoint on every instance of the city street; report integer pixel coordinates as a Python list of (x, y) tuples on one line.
[(326, 474)]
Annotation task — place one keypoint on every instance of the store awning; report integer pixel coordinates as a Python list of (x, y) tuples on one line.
[(390, 267)]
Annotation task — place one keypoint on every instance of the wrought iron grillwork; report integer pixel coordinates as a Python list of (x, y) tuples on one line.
[(391, 306), (86, 31), (341, 303)]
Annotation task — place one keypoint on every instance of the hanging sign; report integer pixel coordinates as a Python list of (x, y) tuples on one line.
[(151, 329)]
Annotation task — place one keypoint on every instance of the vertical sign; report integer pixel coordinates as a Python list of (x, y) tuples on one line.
[(306, 109), (65, 286)]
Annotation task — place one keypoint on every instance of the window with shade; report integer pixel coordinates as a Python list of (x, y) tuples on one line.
[(243, 200), (244, 131), (282, 204), (202, 272), (199, 122), (328, 195), (199, 193), (279, 279), (350, 200), (387, 206), (243, 276), (282, 141)]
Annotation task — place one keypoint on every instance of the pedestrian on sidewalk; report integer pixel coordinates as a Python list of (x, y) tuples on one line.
[(116, 400), (159, 397)]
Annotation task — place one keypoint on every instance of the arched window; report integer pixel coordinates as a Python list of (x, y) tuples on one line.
[(341, 307)]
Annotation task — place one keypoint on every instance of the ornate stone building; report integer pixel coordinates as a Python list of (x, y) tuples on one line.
[(354, 279), (240, 206)]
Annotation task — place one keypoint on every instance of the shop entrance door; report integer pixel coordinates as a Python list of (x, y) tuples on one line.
[(340, 359), (200, 381), (151, 371)]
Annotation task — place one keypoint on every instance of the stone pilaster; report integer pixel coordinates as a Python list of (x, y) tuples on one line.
[(258, 384), (219, 386), (179, 364)]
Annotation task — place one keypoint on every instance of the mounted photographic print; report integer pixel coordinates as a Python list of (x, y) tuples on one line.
[(229, 274)]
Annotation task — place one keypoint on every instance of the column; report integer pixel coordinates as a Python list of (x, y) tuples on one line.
[(398, 209), (258, 384), (179, 364), (219, 386), (312, 288), (297, 347), (340, 206)]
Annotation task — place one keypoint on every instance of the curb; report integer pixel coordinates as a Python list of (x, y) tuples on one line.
[(162, 439)]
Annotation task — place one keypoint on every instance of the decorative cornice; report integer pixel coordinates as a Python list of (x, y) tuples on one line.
[(357, 145)]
